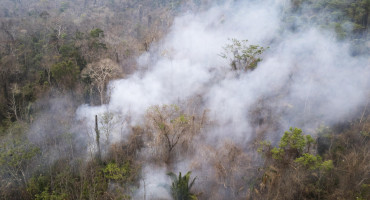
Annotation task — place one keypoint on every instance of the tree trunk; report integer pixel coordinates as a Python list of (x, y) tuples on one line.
[(98, 156), (101, 92), (49, 75)]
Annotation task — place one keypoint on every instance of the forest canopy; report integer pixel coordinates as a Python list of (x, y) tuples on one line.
[(184, 99)]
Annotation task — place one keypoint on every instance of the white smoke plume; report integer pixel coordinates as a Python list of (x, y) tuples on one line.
[(309, 77)]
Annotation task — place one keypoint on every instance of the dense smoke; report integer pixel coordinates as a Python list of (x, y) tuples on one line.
[(306, 78)]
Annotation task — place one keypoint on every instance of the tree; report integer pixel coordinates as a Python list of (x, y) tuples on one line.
[(292, 144), (230, 166), (92, 45), (13, 106), (292, 170), (65, 73), (242, 57), (97, 132), (100, 73), (114, 172), (170, 127), (16, 157), (48, 60), (181, 186)]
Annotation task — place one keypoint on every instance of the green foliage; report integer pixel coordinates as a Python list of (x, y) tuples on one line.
[(66, 73), (67, 51), (293, 142), (277, 153), (95, 42), (262, 145), (16, 130), (16, 151), (348, 18), (79, 35), (182, 119), (46, 195), (16, 157), (18, 154), (14, 154), (365, 192), (293, 158), (37, 184), (70, 52), (293, 139), (96, 33), (292, 145), (181, 186), (241, 55), (327, 165), (310, 161), (114, 172), (96, 183), (98, 45)]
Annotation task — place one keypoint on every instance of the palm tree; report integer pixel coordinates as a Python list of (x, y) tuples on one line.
[(180, 189)]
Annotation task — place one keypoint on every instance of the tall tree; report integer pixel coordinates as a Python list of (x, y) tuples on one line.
[(100, 73)]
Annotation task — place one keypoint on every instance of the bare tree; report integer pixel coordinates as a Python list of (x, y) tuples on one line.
[(231, 166), (100, 73), (171, 131), (13, 107)]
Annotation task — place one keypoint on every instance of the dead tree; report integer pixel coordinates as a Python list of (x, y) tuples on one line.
[(98, 155)]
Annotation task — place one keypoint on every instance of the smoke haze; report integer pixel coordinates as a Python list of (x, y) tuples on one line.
[(306, 77)]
